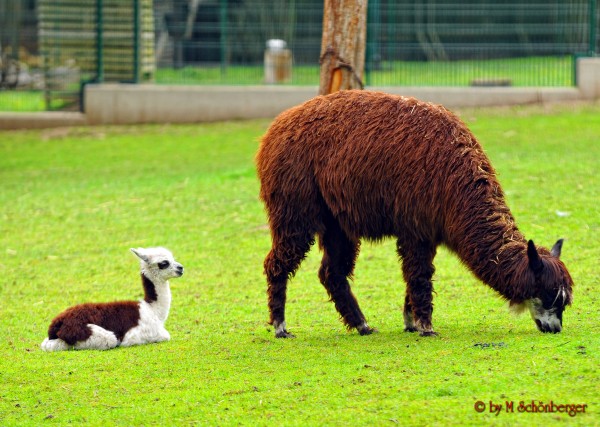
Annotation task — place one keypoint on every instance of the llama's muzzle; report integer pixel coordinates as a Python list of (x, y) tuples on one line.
[(554, 327), (546, 320)]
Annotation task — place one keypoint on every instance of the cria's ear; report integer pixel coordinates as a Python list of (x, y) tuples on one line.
[(139, 252), (555, 251), (535, 263)]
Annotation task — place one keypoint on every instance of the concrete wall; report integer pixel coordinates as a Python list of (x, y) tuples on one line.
[(118, 104), (588, 77), (129, 104)]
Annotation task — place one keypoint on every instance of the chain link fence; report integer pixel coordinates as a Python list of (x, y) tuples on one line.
[(49, 49)]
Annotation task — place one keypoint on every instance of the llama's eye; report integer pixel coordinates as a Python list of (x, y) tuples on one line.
[(163, 264)]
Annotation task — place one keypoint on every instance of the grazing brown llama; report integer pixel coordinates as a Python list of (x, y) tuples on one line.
[(359, 164)]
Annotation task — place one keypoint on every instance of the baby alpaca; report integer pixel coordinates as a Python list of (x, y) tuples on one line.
[(107, 325)]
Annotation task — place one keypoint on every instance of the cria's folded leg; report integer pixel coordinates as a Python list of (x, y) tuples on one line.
[(417, 268), (145, 334), (55, 345), (162, 335), (339, 257), (100, 339)]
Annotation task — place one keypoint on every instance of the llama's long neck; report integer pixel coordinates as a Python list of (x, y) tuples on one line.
[(491, 245), (157, 294)]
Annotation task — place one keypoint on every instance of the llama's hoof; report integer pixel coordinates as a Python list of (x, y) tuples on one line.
[(281, 331), (367, 330), (428, 334), (284, 334), (410, 329)]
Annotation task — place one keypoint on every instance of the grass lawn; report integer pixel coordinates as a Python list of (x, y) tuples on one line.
[(528, 71), (31, 101), (520, 72), (74, 201), (22, 101)]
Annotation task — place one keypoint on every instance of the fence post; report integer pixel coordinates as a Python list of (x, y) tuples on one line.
[(373, 61), (136, 40), (592, 30), (13, 22), (99, 41), (223, 36)]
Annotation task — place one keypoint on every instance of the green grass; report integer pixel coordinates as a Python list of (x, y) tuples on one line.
[(232, 75), (520, 72), (529, 71), (74, 201), (22, 101), (31, 101)]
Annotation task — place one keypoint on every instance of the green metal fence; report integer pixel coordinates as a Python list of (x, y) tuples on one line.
[(88, 41), (50, 48)]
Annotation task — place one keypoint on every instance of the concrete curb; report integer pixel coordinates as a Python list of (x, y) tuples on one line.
[(125, 104), (114, 104), (147, 103), (49, 119)]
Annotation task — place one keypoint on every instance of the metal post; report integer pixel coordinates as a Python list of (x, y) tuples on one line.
[(137, 36), (99, 41), (373, 39), (15, 26), (223, 37), (592, 30)]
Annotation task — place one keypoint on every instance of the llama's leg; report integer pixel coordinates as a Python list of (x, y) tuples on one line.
[(280, 264), (417, 268), (339, 257), (100, 339), (409, 321)]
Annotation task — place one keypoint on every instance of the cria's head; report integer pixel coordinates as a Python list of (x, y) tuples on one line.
[(158, 263), (553, 287)]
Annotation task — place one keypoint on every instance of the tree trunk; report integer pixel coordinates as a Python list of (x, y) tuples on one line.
[(343, 45)]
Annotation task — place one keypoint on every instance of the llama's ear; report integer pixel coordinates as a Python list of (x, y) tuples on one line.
[(140, 254), (535, 263), (555, 251)]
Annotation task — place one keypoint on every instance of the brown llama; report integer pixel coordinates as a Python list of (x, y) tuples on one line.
[(360, 164)]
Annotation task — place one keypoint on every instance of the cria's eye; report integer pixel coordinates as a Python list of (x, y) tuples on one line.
[(163, 264)]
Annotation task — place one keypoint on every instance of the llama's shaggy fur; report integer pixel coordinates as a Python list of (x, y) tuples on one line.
[(107, 325), (359, 164)]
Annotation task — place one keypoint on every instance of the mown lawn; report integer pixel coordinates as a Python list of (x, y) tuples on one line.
[(22, 101), (73, 201), (527, 71)]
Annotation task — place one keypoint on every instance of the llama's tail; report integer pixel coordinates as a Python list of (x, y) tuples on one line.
[(54, 328), (54, 345)]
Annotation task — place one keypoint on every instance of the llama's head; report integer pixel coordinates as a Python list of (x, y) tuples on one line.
[(553, 287), (158, 263)]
